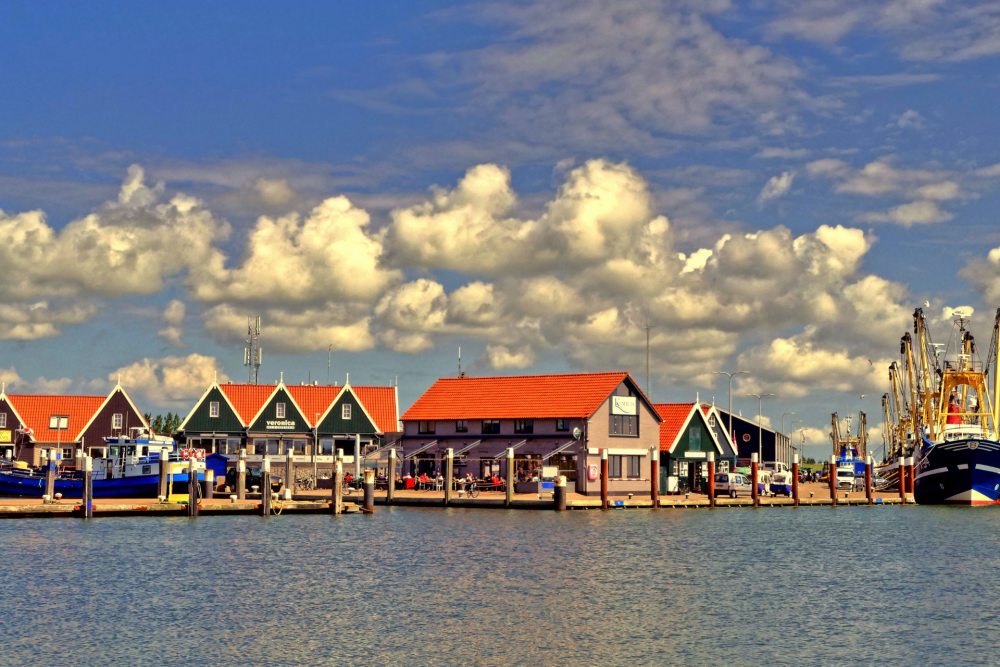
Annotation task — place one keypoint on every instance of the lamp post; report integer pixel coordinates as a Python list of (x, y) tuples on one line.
[(783, 415), (731, 397), (791, 434), (760, 428)]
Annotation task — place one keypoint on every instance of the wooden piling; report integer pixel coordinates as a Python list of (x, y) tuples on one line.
[(241, 476), (901, 467), (604, 478), (559, 494), (162, 484), (192, 489), (338, 485), (369, 502), (265, 487), (754, 477), (88, 487), (289, 470), (911, 479), (510, 477), (50, 475), (391, 477), (449, 461), (833, 479), (868, 480), (795, 478), (654, 476), (209, 491), (711, 480)]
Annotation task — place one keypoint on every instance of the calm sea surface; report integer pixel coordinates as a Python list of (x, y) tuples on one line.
[(883, 586)]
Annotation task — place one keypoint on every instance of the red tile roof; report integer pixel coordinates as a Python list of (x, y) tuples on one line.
[(674, 415), (380, 402), (313, 399), (36, 409), (247, 398), (516, 397)]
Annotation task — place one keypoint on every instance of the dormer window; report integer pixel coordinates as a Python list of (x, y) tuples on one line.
[(59, 422), (280, 410)]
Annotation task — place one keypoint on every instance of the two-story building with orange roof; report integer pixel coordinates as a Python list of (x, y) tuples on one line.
[(298, 420), (561, 421), (30, 423)]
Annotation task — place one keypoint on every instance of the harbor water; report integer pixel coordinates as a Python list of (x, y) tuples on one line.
[(808, 586)]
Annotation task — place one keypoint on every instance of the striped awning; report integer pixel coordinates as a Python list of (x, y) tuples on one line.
[(467, 447), (420, 449), (560, 448), (504, 452)]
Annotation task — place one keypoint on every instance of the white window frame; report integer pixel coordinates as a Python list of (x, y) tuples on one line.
[(58, 422), (279, 410), (3, 420), (213, 409), (117, 420), (345, 411)]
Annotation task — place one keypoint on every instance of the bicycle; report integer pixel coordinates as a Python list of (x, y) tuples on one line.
[(306, 483), (472, 490)]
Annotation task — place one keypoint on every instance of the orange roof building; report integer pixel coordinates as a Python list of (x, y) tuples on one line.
[(300, 419), (550, 422), (691, 434), (30, 423)]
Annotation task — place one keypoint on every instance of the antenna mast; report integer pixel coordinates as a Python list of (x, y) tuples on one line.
[(649, 392), (252, 351), (459, 361)]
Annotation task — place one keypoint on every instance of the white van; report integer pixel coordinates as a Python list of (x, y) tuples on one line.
[(845, 478), (732, 483)]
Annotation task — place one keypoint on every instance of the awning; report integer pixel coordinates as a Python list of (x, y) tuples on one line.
[(467, 447), (504, 452), (420, 450), (560, 448), (375, 452)]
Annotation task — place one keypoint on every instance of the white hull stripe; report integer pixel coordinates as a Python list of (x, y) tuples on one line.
[(936, 471), (980, 466), (963, 466)]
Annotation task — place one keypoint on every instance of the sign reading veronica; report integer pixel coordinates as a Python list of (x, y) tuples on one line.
[(623, 405)]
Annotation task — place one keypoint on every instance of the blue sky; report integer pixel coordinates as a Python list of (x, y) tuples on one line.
[(775, 185)]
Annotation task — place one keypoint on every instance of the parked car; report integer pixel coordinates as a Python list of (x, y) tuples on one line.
[(253, 478), (731, 484), (845, 478)]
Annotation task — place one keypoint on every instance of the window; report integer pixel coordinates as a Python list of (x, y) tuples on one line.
[(614, 467), (425, 426), (60, 422), (67, 454), (326, 447), (624, 425), (345, 411), (3, 420), (116, 421), (562, 424), (524, 426), (694, 439), (633, 466), (723, 466), (280, 411), (711, 421), (213, 409), (491, 426), (461, 426)]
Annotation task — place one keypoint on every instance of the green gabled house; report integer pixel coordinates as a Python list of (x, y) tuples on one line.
[(688, 432)]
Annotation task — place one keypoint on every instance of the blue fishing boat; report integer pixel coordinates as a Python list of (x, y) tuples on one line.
[(130, 469)]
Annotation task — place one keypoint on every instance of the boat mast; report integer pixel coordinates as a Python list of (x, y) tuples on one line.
[(994, 356), (915, 406)]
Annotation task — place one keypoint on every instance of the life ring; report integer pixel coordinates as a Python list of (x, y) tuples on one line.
[(185, 454), (199, 454)]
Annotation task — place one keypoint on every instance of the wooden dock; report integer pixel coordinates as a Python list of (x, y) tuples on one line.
[(16, 508)]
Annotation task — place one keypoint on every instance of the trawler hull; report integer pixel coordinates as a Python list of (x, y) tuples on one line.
[(958, 472)]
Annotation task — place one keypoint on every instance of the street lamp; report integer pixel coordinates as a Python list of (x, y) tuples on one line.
[(731, 398), (783, 415), (760, 428), (791, 434)]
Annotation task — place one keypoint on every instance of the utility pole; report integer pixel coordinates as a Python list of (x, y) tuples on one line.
[(329, 354), (731, 398), (760, 426)]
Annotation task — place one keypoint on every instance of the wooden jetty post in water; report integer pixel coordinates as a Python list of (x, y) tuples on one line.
[(711, 480), (868, 479), (449, 462), (192, 489), (163, 485), (654, 476), (209, 492), (604, 478), (369, 506), (241, 476), (559, 493), (510, 477), (357, 456), (50, 475), (901, 467), (754, 476), (265, 487), (338, 483), (390, 490), (795, 478), (832, 479), (911, 479), (88, 487), (289, 469)]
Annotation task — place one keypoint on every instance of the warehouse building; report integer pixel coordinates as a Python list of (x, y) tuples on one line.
[(751, 438), (552, 421)]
